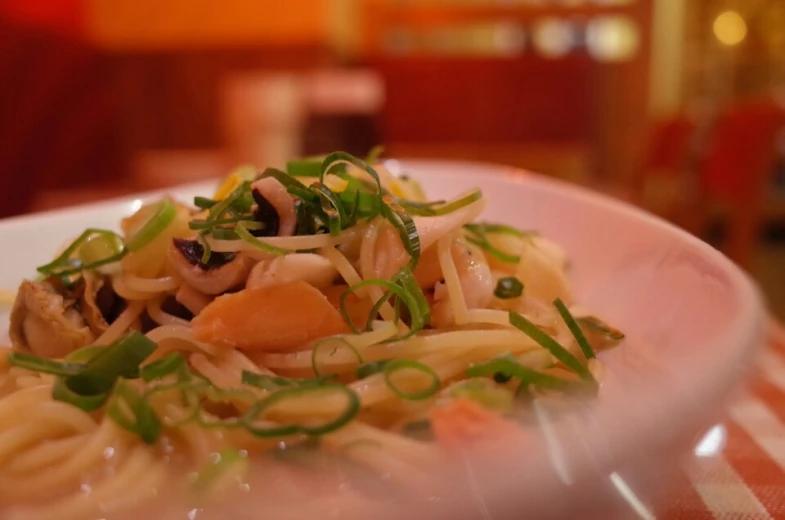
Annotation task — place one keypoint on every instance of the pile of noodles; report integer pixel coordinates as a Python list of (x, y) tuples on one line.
[(58, 461)]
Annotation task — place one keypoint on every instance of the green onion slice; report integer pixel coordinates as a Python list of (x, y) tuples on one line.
[(64, 259), (305, 167), (404, 224), (163, 367), (162, 214), (508, 287), (243, 234), (255, 422), (478, 235), (405, 288), (100, 247), (400, 365), (44, 365), (485, 393), (326, 348), (120, 359), (374, 154), (240, 194), (511, 368), (61, 392), (331, 208), (284, 178), (583, 343), (596, 325), (550, 344), (130, 411), (189, 392), (370, 368), (204, 202), (444, 208)]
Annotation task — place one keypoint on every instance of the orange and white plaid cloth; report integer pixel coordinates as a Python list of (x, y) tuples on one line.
[(738, 472)]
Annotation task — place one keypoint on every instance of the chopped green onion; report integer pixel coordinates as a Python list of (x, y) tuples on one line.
[(275, 383), (443, 208), (583, 343), (284, 178), (120, 359), (44, 365), (228, 396), (130, 411), (64, 259), (198, 224), (485, 393), (207, 251), (596, 325), (397, 365), (306, 167), (501, 377), (99, 247), (204, 202), (335, 163), (333, 345), (61, 392), (547, 342), (268, 429), (225, 465), (190, 390), (478, 235), (508, 287), (405, 288), (162, 367), (511, 368), (370, 368), (242, 232), (163, 213), (87, 403), (404, 224), (240, 194), (331, 208), (374, 154), (266, 382), (486, 228)]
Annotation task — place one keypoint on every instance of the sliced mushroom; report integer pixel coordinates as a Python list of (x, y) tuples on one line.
[(220, 274), (47, 321), (274, 193), (307, 267), (100, 304)]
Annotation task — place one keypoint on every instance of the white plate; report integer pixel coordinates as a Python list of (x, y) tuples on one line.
[(692, 320)]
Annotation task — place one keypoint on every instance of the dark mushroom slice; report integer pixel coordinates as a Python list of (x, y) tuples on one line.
[(100, 305), (276, 199), (222, 272), (46, 320)]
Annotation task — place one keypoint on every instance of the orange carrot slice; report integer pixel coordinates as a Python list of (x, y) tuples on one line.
[(463, 421), (281, 318), (356, 308)]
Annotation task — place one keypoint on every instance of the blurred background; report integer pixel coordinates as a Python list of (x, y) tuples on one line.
[(675, 105)]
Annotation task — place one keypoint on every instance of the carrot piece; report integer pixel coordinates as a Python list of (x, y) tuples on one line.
[(356, 308), (280, 318), (463, 421)]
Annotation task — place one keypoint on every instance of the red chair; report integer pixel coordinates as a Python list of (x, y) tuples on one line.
[(738, 170)]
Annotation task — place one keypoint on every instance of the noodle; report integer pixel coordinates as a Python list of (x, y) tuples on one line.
[(254, 389)]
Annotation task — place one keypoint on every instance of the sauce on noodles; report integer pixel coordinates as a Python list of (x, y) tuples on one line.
[(324, 336)]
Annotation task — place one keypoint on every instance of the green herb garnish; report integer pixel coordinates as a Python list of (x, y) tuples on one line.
[(508, 287)]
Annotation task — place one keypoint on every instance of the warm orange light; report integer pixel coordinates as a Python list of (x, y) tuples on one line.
[(730, 28)]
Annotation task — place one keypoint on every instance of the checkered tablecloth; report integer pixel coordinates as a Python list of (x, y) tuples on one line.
[(738, 471)]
